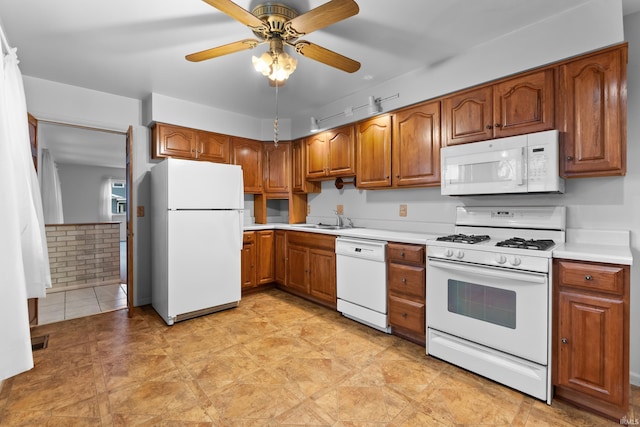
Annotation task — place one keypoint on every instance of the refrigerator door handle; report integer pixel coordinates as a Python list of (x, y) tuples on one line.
[(240, 229)]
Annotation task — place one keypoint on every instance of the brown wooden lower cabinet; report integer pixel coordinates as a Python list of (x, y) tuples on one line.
[(590, 342), (406, 280), (280, 247), (248, 277), (311, 267), (257, 259)]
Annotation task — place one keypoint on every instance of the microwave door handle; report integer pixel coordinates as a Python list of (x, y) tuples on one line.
[(489, 271)]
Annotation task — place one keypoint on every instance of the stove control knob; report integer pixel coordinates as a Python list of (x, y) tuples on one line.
[(448, 253), (501, 259), (459, 254), (515, 261)]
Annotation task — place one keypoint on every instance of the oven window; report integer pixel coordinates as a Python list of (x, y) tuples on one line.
[(493, 305)]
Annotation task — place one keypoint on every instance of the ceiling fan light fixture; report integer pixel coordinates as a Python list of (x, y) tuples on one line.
[(276, 64)]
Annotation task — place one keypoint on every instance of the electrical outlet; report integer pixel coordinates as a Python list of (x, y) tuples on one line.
[(403, 210), (308, 209), (340, 209), (140, 211)]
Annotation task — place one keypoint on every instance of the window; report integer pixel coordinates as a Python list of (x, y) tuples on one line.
[(118, 198)]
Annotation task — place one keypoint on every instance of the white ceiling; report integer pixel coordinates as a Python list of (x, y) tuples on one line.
[(135, 47)]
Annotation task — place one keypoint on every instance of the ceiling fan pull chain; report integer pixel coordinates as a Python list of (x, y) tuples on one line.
[(275, 121)]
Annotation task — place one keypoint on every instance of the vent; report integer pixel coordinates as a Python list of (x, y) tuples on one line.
[(39, 343)]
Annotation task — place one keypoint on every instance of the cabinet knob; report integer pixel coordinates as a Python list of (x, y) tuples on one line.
[(569, 158), (489, 127), (402, 254), (588, 277), (404, 280), (564, 341), (404, 315), (497, 125)]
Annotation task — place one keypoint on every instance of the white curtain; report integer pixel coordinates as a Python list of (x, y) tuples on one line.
[(51, 192), (104, 204), (24, 260)]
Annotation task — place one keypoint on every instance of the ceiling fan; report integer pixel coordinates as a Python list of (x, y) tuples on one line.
[(280, 25)]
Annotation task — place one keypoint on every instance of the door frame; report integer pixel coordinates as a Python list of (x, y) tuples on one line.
[(128, 135)]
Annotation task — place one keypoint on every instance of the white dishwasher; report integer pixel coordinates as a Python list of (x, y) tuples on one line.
[(361, 281)]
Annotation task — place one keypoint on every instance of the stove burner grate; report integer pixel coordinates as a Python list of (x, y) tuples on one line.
[(463, 238), (520, 243)]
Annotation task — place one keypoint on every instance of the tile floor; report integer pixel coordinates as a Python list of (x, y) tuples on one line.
[(67, 305), (275, 360)]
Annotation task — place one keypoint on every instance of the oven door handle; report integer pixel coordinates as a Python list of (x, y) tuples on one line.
[(489, 271)]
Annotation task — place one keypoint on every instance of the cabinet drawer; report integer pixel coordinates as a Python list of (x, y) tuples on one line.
[(406, 314), (407, 280), (248, 237), (597, 277), (413, 254)]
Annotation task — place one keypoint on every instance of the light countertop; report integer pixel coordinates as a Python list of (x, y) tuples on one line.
[(608, 246), (363, 233)]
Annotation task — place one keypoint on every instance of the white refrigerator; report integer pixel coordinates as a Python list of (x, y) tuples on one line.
[(196, 224)]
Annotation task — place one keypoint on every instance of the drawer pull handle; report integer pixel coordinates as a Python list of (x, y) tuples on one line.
[(404, 315), (587, 277), (404, 280), (565, 341), (402, 254)]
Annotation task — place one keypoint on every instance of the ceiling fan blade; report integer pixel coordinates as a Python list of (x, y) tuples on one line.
[(226, 49), (238, 13), (326, 56), (320, 17)]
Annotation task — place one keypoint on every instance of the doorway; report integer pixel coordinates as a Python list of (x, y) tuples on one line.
[(88, 222)]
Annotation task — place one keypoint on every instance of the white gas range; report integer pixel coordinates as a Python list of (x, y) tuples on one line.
[(488, 294)]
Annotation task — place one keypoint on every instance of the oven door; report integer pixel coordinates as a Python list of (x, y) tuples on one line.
[(503, 309)]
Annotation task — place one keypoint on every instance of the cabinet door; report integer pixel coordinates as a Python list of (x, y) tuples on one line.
[(468, 116), (248, 154), (276, 168), (213, 147), (591, 350), (416, 146), (173, 141), (298, 268), (340, 151), (524, 104), (248, 261), (593, 94), (265, 256), (316, 156), (374, 153), (280, 257), (322, 275)]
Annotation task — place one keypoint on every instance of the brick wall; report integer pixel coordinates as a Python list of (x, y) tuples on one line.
[(82, 255)]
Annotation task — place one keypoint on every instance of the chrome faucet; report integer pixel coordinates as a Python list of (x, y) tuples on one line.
[(350, 223), (340, 223)]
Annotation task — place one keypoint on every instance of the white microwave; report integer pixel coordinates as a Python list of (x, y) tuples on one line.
[(517, 164)]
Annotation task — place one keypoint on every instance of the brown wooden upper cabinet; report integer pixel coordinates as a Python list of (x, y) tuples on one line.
[(515, 106), (415, 146), (186, 143), (374, 152), (276, 169), (248, 154), (299, 181), (593, 100), (331, 154)]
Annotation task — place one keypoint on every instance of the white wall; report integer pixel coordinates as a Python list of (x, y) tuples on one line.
[(81, 186)]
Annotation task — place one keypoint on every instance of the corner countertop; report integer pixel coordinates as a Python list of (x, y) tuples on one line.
[(362, 233), (608, 246)]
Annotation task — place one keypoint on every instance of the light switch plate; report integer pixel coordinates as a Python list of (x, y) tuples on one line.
[(403, 210), (308, 209), (340, 209), (140, 211)]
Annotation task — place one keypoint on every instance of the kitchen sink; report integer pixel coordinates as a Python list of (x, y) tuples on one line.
[(323, 226)]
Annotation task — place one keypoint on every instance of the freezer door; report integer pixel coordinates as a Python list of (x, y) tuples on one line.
[(204, 259), (204, 185)]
